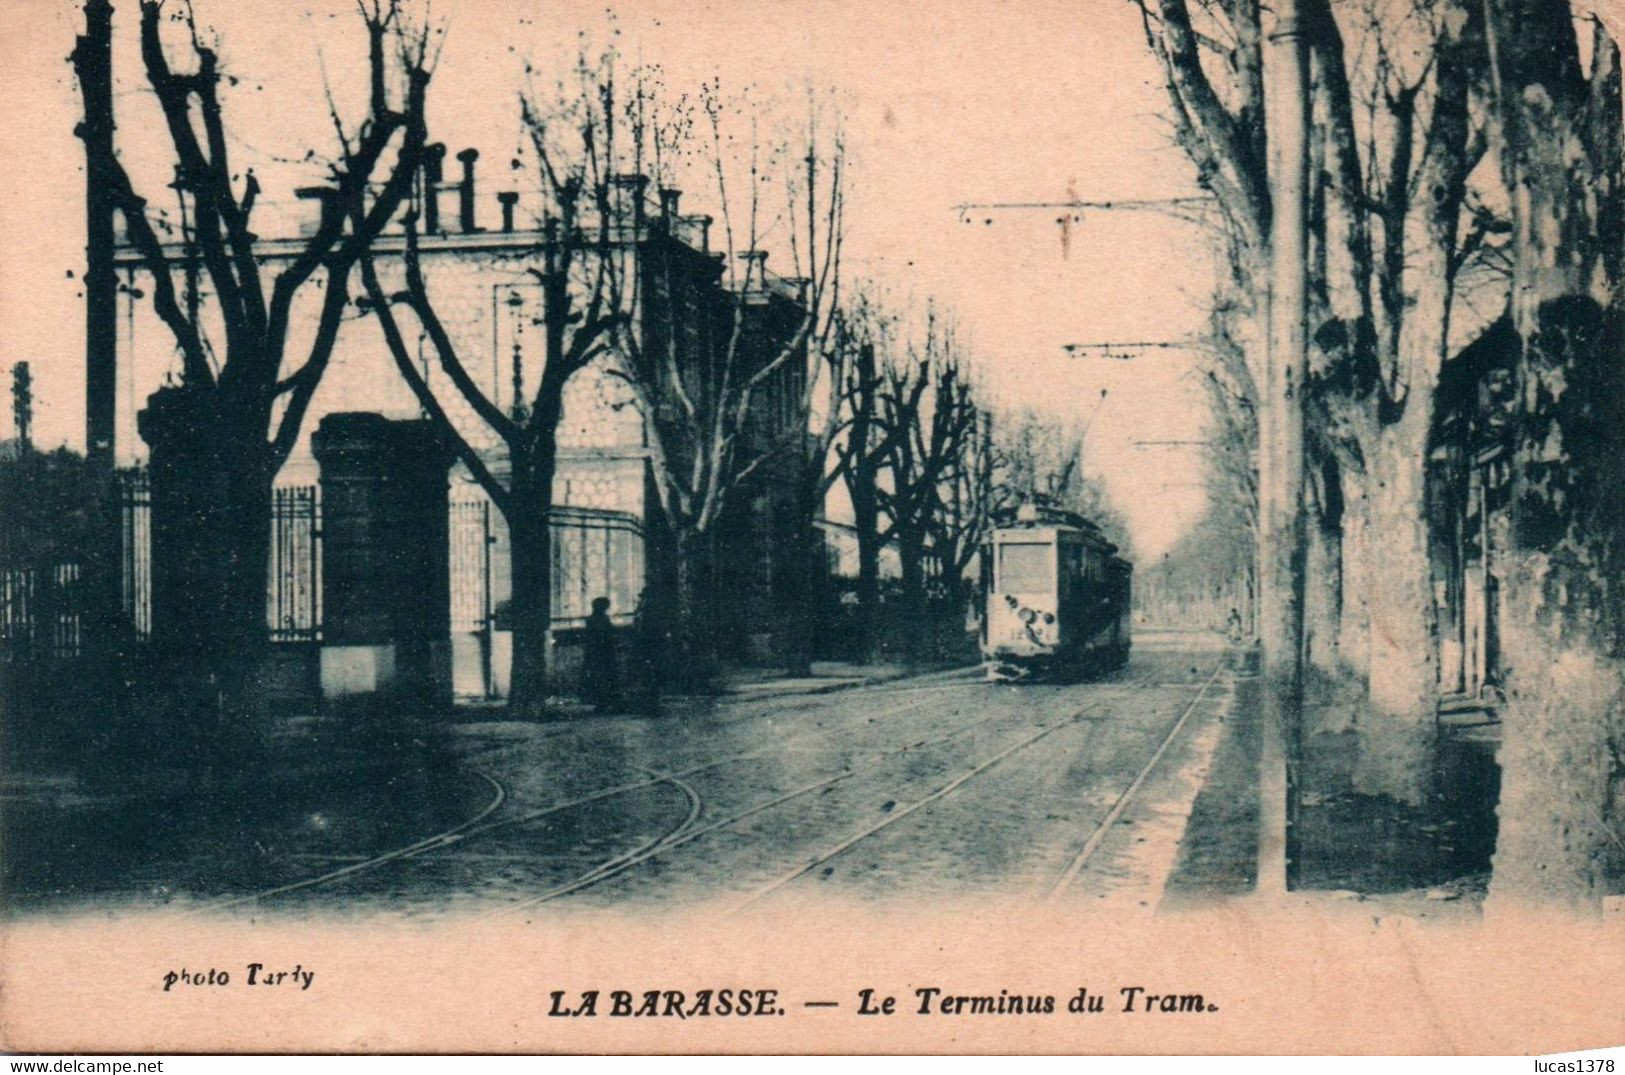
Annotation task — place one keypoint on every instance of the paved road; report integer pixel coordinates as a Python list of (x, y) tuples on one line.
[(933, 788)]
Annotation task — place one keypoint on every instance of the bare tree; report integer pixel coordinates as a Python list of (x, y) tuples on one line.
[(1392, 146), (1035, 458), (815, 212), (1231, 462), (931, 427), (592, 223), (1558, 129), (239, 407), (862, 451), (737, 410)]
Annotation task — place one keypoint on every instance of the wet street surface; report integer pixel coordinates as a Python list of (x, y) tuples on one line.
[(937, 787)]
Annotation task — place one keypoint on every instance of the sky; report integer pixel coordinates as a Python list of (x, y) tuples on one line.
[(946, 104)]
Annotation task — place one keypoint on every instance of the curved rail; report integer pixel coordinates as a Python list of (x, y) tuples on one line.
[(437, 839), (628, 862), (473, 827)]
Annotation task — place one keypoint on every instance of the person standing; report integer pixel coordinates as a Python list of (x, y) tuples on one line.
[(599, 669)]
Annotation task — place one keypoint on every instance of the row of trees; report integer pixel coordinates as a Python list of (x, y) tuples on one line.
[(885, 405), (1461, 152)]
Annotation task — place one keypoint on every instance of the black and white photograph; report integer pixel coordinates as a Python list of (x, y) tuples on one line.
[(956, 524)]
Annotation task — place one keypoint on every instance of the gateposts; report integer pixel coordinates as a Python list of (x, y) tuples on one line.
[(385, 600)]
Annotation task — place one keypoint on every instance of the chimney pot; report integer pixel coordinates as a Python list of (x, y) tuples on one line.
[(634, 183), (434, 161), (669, 197), (327, 196), (508, 199), (703, 223), (465, 191)]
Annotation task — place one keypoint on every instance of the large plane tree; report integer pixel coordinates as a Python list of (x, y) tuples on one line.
[(245, 383)]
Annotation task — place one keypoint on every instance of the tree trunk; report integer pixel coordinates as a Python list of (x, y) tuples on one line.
[(911, 557), (866, 528), (1397, 732), (697, 667), (246, 549), (1562, 633), (1354, 626), (802, 584), (530, 606), (1565, 699), (1323, 599)]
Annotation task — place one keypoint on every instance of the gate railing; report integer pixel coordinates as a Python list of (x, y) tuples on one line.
[(293, 600), (595, 553)]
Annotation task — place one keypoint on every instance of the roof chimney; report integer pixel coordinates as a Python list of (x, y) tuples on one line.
[(434, 160), (669, 197), (755, 268), (508, 199), (634, 183), (465, 190), (330, 206), (702, 223)]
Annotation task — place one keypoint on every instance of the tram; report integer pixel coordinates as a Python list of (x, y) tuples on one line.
[(1056, 597)]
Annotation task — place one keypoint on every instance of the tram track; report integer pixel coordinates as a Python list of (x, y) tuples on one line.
[(473, 826), (602, 873), (685, 831), (1074, 867), (342, 872), (1097, 836), (625, 863), (892, 818)]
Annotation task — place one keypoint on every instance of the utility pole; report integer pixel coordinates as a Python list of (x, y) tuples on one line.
[(22, 405), (101, 604), (1282, 535), (93, 61)]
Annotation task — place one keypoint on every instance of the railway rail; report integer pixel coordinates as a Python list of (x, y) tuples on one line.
[(478, 824), (688, 829)]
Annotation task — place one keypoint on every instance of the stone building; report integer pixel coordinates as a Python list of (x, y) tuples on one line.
[(608, 533)]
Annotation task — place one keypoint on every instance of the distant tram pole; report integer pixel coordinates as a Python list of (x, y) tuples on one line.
[(100, 605), (93, 60), (1282, 538)]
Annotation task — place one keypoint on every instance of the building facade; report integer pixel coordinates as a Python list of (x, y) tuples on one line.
[(609, 537)]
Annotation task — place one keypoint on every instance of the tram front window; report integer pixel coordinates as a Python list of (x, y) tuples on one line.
[(1026, 568)]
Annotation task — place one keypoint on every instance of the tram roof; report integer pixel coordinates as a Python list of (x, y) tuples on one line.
[(1055, 521)]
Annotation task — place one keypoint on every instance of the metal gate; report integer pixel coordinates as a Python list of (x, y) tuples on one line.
[(293, 588), (595, 553), (293, 599), (135, 517), (473, 620)]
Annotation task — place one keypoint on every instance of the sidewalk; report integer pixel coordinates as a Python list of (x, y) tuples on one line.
[(753, 682), (1419, 862)]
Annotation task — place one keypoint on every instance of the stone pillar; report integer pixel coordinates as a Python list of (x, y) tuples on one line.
[(188, 499), (386, 603)]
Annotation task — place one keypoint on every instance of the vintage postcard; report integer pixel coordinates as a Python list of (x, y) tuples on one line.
[(1035, 526)]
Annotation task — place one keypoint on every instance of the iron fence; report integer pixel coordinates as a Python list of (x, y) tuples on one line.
[(135, 515), (595, 553), (293, 599)]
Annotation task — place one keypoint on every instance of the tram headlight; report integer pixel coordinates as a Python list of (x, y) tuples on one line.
[(1028, 615), (1049, 617)]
